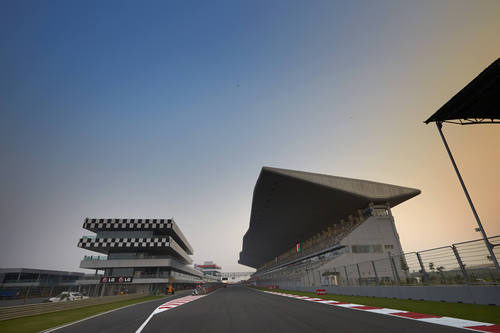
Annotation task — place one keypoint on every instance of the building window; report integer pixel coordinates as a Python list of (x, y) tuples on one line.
[(389, 247), (360, 248), (375, 248), (93, 220)]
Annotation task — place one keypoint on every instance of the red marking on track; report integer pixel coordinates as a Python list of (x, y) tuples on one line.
[(414, 315), (366, 307), (485, 328)]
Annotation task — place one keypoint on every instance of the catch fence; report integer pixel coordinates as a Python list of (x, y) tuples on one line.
[(457, 264), (460, 263)]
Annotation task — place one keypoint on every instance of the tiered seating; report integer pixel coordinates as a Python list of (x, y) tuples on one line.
[(297, 271), (329, 237)]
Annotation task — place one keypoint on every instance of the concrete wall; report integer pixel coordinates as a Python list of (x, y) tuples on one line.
[(464, 294), (374, 231)]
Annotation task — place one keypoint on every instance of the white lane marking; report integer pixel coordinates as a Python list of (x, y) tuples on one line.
[(145, 322), (96, 315), (350, 305), (167, 306), (455, 322)]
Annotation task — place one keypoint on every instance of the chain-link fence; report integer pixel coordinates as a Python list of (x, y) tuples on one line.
[(460, 263)]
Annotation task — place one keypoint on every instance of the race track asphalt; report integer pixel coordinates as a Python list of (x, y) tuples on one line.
[(241, 309), (120, 321)]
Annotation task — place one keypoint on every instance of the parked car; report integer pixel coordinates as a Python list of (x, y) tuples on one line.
[(68, 296)]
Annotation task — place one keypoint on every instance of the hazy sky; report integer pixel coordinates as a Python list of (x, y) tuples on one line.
[(170, 109)]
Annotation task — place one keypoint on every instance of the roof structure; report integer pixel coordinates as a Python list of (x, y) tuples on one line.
[(478, 102), (291, 206), (40, 271)]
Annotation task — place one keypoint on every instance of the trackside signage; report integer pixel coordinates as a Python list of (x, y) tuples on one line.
[(116, 279)]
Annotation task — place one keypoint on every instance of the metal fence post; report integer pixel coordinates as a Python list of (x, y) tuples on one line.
[(425, 276), (460, 263), (375, 271), (394, 269), (359, 275), (346, 275)]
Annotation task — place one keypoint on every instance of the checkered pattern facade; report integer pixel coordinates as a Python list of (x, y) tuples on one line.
[(109, 243), (127, 224)]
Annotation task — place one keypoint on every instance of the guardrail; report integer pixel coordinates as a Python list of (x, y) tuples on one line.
[(11, 312)]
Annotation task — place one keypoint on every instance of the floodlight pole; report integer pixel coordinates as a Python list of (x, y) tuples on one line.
[(485, 238)]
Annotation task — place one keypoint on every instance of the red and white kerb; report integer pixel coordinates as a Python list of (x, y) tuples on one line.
[(433, 319)]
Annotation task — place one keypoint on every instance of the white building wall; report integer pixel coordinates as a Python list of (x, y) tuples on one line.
[(378, 231)]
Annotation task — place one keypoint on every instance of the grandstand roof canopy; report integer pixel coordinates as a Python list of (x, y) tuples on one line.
[(291, 206), (478, 102)]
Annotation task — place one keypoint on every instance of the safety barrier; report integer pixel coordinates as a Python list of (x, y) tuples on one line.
[(11, 312)]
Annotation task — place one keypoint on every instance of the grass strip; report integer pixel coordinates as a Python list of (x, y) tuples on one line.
[(477, 312), (44, 321)]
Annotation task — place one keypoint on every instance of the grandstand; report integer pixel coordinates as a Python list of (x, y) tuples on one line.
[(304, 226)]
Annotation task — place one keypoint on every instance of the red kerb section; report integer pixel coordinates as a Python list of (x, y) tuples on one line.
[(365, 307), (414, 315), (484, 328)]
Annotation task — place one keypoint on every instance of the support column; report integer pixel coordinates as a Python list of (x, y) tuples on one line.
[(461, 264), (489, 246)]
